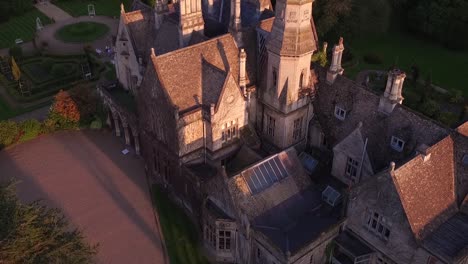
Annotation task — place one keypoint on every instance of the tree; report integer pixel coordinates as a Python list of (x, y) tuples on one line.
[(32, 233), (86, 99), (64, 113)]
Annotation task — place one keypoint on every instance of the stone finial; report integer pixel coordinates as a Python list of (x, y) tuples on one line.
[(359, 124), (122, 8), (392, 166), (153, 53), (341, 41)]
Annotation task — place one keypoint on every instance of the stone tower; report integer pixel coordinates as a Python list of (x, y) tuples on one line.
[(290, 46), (191, 19)]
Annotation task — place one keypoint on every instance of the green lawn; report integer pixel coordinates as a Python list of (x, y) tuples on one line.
[(179, 232), (448, 68), (77, 8), (23, 27), (82, 32)]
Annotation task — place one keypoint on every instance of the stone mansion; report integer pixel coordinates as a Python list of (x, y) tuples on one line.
[(278, 160)]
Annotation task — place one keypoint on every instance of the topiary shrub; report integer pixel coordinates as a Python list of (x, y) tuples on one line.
[(9, 133), (47, 64), (373, 58), (30, 129), (58, 70)]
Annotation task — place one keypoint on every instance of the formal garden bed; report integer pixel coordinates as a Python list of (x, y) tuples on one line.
[(46, 75), (78, 8), (22, 26), (180, 234), (82, 32), (447, 107)]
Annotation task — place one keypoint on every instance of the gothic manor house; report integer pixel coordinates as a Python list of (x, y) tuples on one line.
[(277, 160)]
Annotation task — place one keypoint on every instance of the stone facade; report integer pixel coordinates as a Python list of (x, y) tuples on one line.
[(221, 121)]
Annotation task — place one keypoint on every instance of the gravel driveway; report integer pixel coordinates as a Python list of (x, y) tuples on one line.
[(101, 191)]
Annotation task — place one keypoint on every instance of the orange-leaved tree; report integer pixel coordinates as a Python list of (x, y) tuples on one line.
[(64, 113), (65, 106)]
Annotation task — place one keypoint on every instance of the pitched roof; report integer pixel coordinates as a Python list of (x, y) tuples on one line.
[(450, 240), (463, 129), (427, 188), (195, 75), (140, 24), (362, 106), (461, 164)]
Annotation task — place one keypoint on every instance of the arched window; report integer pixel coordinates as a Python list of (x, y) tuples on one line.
[(301, 81)]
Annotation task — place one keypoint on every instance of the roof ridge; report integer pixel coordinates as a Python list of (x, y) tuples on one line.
[(227, 35)]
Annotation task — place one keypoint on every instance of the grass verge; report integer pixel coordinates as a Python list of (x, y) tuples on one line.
[(179, 232)]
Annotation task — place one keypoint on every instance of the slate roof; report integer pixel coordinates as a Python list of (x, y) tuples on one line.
[(140, 24), (450, 240), (144, 36), (195, 75), (298, 220), (362, 106)]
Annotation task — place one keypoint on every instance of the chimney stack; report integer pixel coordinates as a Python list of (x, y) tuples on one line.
[(393, 91), (235, 15), (242, 71), (335, 66)]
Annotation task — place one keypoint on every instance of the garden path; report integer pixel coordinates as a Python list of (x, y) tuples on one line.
[(38, 114), (100, 190), (53, 11), (58, 47)]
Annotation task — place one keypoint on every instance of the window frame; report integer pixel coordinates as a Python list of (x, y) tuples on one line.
[(297, 128), (352, 169), (230, 131), (270, 125), (340, 113), (395, 143), (377, 224), (224, 240)]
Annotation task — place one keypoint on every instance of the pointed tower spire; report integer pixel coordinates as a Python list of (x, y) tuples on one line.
[(335, 67), (293, 31)]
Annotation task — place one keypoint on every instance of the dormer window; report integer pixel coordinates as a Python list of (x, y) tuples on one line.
[(397, 144), (340, 113)]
